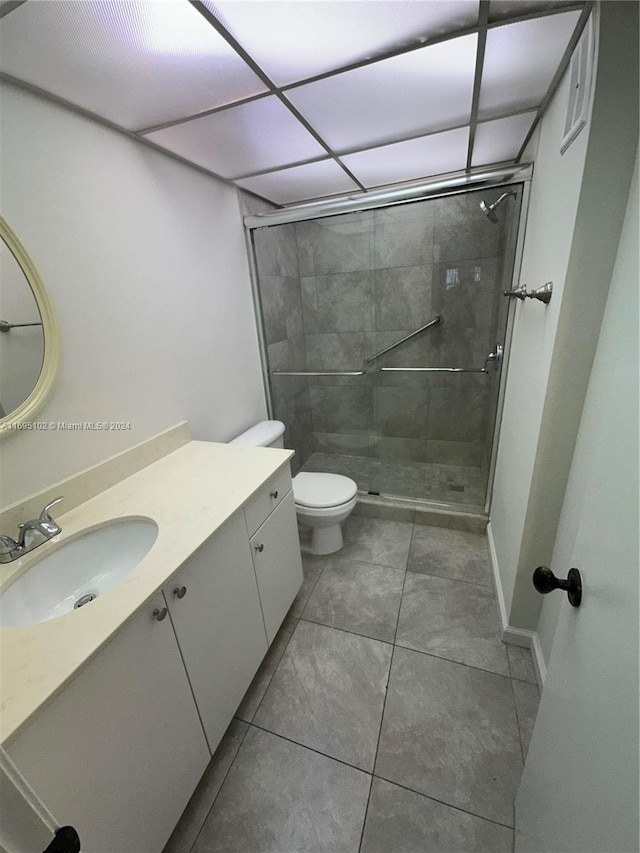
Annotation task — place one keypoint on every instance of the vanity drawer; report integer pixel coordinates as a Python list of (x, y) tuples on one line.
[(267, 498)]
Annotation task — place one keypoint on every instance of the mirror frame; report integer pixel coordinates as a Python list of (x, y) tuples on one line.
[(50, 330)]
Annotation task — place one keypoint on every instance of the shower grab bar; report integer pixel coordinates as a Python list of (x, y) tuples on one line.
[(438, 320), (318, 372), (6, 326), (493, 357)]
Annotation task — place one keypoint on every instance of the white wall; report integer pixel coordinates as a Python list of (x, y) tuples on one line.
[(623, 291), (618, 338), (145, 262), (579, 791), (577, 207), (551, 217)]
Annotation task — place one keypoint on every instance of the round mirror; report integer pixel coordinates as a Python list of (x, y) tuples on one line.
[(29, 338)]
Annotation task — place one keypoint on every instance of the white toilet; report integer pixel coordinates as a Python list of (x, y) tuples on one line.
[(323, 501)]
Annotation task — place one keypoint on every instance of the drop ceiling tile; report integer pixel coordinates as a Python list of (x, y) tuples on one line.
[(406, 161), (499, 140), (136, 63), (295, 40), (427, 90), (314, 180), (262, 134), (501, 9), (520, 61)]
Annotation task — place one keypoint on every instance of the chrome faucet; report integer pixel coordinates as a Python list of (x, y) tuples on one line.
[(33, 533)]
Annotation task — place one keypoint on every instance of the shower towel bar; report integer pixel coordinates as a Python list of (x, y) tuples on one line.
[(437, 321), (318, 372), (493, 357), (6, 327), (432, 370)]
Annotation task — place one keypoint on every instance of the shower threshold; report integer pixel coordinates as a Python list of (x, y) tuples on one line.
[(413, 485)]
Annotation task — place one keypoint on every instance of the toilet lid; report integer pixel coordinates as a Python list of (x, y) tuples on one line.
[(315, 489)]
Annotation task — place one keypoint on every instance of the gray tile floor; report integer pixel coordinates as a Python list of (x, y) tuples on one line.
[(449, 484), (387, 717)]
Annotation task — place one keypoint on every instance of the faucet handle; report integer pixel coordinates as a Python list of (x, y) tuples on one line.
[(7, 545), (44, 515)]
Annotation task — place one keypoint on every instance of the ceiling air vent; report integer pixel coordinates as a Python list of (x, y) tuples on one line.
[(581, 71)]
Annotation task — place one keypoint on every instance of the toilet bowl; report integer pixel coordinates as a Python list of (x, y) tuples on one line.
[(323, 501)]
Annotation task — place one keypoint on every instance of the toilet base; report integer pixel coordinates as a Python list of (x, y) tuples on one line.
[(323, 540)]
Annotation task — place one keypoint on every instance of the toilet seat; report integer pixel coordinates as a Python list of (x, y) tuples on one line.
[(317, 490)]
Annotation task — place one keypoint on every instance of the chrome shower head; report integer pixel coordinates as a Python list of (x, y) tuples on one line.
[(488, 209)]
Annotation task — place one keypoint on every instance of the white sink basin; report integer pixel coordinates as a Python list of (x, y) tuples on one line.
[(76, 572)]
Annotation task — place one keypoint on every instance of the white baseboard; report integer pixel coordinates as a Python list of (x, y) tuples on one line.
[(518, 637), (497, 583), (515, 636)]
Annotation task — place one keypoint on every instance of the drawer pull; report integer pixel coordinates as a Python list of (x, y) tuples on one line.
[(179, 591), (274, 494), (160, 613), (259, 548)]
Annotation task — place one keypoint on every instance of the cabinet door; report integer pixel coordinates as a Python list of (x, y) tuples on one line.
[(276, 556), (119, 752), (218, 623)]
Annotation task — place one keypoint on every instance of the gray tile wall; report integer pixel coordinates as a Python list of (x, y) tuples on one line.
[(281, 303), (338, 289)]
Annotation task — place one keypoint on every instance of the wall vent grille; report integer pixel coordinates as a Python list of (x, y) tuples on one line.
[(581, 71)]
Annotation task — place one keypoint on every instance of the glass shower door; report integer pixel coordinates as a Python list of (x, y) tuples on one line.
[(337, 291)]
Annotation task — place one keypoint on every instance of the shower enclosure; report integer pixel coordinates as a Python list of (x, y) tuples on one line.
[(384, 332)]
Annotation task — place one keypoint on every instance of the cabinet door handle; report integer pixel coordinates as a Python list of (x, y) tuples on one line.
[(259, 548), (160, 613), (274, 494), (179, 591)]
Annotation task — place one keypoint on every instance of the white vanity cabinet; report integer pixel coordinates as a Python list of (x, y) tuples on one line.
[(119, 751), (275, 548), (215, 610)]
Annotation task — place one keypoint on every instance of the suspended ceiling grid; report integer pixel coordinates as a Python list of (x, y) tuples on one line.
[(301, 99)]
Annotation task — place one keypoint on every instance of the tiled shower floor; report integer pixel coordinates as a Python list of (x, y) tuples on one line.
[(450, 484), (388, 716)]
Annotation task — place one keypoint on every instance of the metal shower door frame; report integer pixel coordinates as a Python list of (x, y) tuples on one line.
[(431, 190), (508, 337)]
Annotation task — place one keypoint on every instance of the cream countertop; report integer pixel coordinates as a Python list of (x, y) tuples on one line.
[(189, 493)]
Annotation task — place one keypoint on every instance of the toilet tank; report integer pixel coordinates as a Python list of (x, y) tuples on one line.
[(264, 434)]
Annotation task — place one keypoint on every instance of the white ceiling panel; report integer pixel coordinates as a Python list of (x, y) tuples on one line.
[(300, 183), (500, 140), (262, 134), (416, 158), (136, 63), (520, 61), (148, 63), (295, 40), (419, 92)]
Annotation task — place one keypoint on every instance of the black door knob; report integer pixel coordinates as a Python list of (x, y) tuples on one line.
[(545, 581)]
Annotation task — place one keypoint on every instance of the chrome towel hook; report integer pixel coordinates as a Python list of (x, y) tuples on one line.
[(542, 294)]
